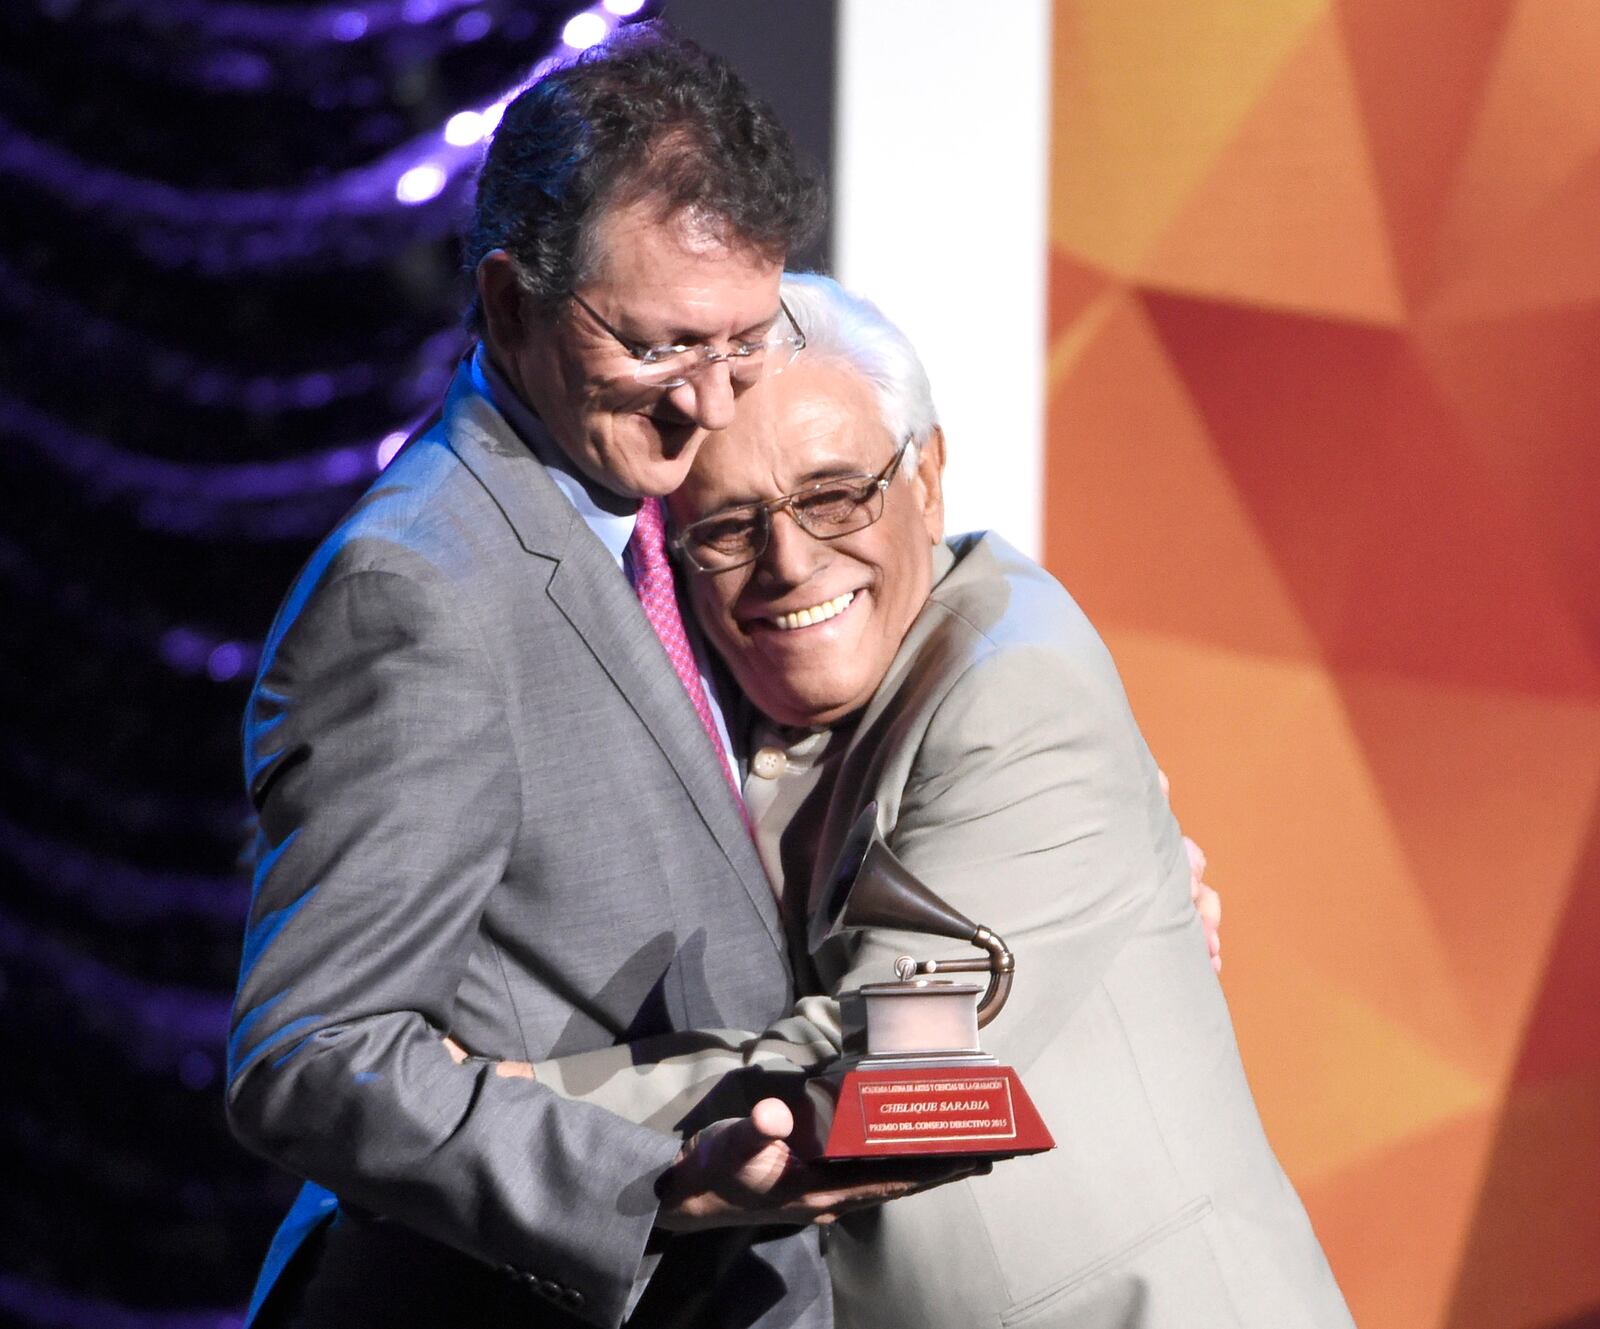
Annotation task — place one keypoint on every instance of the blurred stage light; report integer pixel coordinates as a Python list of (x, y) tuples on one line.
[(389, 446), (473, 25), (184, 649), (420, 183), (623, 8), (314, 390), (463, 129), (343, 465), (350, 26), (225, 662), (585, 30)]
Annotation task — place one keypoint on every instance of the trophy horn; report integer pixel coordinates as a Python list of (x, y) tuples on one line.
[(871, 888)]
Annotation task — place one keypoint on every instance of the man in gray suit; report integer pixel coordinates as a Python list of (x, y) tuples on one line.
[(958, 686), (491, 805)]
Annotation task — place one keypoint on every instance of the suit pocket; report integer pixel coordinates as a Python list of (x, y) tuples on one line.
[(1118, 1288)]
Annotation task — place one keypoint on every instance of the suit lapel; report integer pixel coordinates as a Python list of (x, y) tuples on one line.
[(604, 611), (596, 599), (874, 738)]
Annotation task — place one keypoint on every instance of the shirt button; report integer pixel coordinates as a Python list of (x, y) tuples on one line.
[(769, 763)]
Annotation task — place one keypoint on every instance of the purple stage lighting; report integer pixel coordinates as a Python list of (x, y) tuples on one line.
[(350, 26), (420, 183), (388, 447), (585, 30)]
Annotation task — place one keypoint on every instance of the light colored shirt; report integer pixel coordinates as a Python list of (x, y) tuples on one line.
[(609, 516)]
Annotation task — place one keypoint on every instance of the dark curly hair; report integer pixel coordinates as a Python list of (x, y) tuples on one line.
[(645, 115)]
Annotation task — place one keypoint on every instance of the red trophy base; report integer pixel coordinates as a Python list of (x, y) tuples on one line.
[(979, 1111)]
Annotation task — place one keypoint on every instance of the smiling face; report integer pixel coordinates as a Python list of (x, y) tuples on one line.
[(657, 281), (809, 629)]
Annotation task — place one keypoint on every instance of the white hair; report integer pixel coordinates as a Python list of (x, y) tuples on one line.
[(852, 331)]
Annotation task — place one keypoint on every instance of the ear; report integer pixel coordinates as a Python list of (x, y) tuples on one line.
[(929, 482), (500, 297)]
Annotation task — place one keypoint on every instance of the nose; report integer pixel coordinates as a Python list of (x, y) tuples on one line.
[(707, 398), (791, 556)]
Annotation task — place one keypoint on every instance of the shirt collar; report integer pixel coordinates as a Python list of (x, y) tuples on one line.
[(595, 504)]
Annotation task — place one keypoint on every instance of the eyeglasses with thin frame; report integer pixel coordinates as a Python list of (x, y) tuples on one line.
[(671, 365), (826, 510)]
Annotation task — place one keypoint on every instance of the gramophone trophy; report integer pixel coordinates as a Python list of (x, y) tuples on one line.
[(913, 1078)]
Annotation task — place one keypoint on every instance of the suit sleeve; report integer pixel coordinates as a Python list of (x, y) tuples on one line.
[(378, 759), (681, 1081), (1033, 806)]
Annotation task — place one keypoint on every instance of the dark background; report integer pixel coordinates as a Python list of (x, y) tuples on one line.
[(213, 312)]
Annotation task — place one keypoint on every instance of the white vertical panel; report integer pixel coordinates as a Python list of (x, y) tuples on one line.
[(940, 198)]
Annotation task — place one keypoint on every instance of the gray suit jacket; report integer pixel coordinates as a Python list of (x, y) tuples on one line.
[(1010, 777), (487, 807)]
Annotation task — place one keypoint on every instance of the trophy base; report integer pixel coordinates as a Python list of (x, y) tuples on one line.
[(905, 1106)]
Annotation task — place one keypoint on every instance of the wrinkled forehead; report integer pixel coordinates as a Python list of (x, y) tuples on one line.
[(630, 239), (816, 419)]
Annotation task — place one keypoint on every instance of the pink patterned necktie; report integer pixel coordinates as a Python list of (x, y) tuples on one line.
[(652, 582)]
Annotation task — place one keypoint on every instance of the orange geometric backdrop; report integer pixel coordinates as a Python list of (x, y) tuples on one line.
[(1324, 466)]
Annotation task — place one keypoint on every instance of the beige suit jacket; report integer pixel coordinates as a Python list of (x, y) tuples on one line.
[(1011, 777)]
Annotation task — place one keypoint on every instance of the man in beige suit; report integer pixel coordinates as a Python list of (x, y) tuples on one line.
[(958, 686)]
